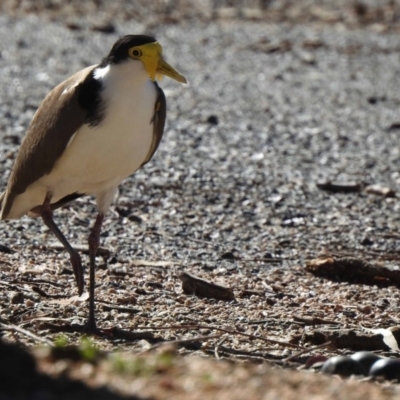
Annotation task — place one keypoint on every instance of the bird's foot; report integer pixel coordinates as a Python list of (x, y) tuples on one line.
[(90, 328)]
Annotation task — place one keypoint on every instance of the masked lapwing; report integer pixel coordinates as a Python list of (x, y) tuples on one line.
[(90, 133)]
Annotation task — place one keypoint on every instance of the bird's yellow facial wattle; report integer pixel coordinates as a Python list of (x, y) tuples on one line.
[(151, 56)]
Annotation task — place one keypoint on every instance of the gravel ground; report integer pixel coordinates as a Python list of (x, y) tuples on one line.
[(272, 109)]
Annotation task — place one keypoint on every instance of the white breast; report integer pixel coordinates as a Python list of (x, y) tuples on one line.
[(98, 158)]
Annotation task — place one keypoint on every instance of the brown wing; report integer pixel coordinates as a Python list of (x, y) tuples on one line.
[(57, 119), (160, 113)]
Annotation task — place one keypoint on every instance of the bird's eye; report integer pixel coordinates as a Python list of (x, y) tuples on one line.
[(135, 53)]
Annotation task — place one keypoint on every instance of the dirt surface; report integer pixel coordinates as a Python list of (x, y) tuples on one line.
[(283, 148)]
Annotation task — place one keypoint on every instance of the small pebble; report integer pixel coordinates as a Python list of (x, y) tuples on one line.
[(213, 120), (228, 256), (16, 297), (104, 27), (5, 249), (29, 303)]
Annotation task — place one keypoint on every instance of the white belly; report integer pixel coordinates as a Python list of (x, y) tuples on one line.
[(98, 158), (101, 157)]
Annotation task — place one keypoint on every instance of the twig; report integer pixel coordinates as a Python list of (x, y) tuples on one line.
[(265, 260), (14, 328), (43, 293), (293, 356), (180, 342), (315, 321), (102, 251), (204, 242), (210, 327), (129, 310), (223, 339), (14, 286), (38, 281), (246, 355)]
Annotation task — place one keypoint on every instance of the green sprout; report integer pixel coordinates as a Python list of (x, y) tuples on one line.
[(87, 349), (61, 341)]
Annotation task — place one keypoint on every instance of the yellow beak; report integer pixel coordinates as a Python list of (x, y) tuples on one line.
[(165, 69), (155, 65)]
